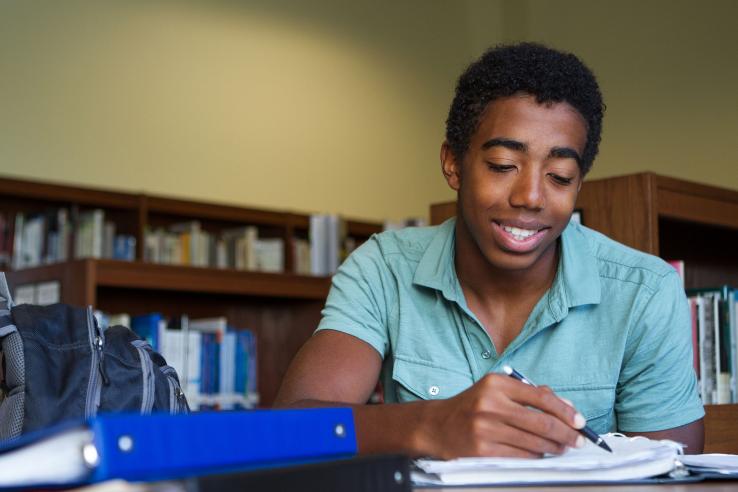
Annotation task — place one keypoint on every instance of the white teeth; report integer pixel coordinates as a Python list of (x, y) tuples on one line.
[(519, 234)]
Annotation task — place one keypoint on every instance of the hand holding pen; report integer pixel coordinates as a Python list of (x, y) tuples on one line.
[(586, 431)]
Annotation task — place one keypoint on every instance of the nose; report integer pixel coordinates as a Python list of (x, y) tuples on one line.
[(527, 191)]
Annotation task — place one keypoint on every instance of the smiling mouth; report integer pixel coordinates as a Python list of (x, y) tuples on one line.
[(521, 233)]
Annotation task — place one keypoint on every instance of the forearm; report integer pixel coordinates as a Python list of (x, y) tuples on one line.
[(384, 428), (691, 435)]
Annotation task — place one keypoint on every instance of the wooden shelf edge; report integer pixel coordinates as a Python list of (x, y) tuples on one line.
[(53, 192), (89, 274), (696, 189), (149, 276), (216, 211)]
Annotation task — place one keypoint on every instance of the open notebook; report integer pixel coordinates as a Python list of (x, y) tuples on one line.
[(632, 458)]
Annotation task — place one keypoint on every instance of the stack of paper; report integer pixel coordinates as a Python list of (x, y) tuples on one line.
[(722, 464), (632, 458)]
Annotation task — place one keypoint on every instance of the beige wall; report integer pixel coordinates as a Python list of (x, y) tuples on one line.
[(668, 71), (332, 105), (310, 106)]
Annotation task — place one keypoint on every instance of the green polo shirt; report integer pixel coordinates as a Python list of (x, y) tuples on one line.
[(612, 334)]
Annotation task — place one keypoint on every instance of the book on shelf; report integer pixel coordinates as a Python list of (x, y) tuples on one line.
[(715, 317), (239, 248), (678, 265), (301, 258), (327, 237), (216, 364), (40, 293), (56, 235)]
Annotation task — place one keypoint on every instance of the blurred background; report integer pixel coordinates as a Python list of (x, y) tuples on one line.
[(336, 106)]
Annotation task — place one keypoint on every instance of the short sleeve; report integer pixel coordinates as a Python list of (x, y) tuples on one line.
[(657, 388), (361, 292)]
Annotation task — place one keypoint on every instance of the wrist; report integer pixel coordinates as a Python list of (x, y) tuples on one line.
[(423, 436)]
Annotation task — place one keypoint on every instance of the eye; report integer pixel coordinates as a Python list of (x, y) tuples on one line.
[(562, 180), (500, 168)]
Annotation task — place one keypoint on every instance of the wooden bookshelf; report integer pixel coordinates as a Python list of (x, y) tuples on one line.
[(670, 218), (676, 220), (282, 309)]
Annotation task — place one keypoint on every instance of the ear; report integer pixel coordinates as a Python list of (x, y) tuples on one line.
[(450, 167)]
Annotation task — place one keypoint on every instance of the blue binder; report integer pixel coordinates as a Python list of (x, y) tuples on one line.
[(162, 446)]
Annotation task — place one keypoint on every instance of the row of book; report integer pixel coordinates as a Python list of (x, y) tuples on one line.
[(34, 239), (216, 364), (243, 248), (238, 248), (714, 338)]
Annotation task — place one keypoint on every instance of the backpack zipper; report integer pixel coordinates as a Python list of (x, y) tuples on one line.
[(98, 375), (177, 402), (149, 382)]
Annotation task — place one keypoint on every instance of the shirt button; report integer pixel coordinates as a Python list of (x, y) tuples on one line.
[(486, 354), (433, 390)]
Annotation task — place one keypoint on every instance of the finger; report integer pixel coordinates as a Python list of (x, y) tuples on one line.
[(544, 425), (490, 448), (503, 433), (543, 398)]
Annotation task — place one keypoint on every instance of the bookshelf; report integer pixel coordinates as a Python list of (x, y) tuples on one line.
[(282, 309), (676, 220)]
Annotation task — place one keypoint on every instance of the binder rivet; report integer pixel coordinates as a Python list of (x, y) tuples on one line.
[(90, 455), (340, 430), (125, 443), (398, 477)]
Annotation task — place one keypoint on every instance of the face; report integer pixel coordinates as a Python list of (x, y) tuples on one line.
[(518, 182)]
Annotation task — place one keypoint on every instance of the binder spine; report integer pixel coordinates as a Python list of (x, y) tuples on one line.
[(163, 446)]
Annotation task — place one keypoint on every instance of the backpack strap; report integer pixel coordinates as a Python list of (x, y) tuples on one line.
[(6, 303), (12, 375), (6, 300)]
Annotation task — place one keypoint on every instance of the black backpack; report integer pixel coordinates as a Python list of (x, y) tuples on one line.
[(58, 365)]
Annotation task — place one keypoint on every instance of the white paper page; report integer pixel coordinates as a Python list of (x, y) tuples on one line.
[(631, 458), (55, 460), (712, 461)]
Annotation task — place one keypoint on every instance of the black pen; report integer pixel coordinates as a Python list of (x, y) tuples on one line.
[(586, 431)]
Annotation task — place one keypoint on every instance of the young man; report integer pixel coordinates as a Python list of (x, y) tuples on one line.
[(437, 312)]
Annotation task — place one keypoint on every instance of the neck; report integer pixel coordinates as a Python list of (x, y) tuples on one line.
[(488, 282)]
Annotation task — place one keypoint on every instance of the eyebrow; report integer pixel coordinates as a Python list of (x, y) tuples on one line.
[(505, 142), (556, 152), (565, 152)]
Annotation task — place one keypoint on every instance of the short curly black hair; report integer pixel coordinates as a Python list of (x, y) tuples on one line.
[(530, 68)]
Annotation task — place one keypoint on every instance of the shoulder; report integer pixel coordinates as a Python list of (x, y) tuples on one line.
[(620, 263)]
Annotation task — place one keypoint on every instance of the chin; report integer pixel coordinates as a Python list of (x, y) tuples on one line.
[(511, 262)]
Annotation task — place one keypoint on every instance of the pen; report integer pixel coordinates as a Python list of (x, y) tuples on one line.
[(586, 431)]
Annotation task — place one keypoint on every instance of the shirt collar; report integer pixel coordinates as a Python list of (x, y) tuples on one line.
[(436, 267), (577, 280)]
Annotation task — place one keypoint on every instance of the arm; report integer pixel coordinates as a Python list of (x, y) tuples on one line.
[(692, 435), (492, 418)]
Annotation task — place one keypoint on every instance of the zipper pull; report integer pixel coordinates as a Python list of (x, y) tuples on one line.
[(101, 360)]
